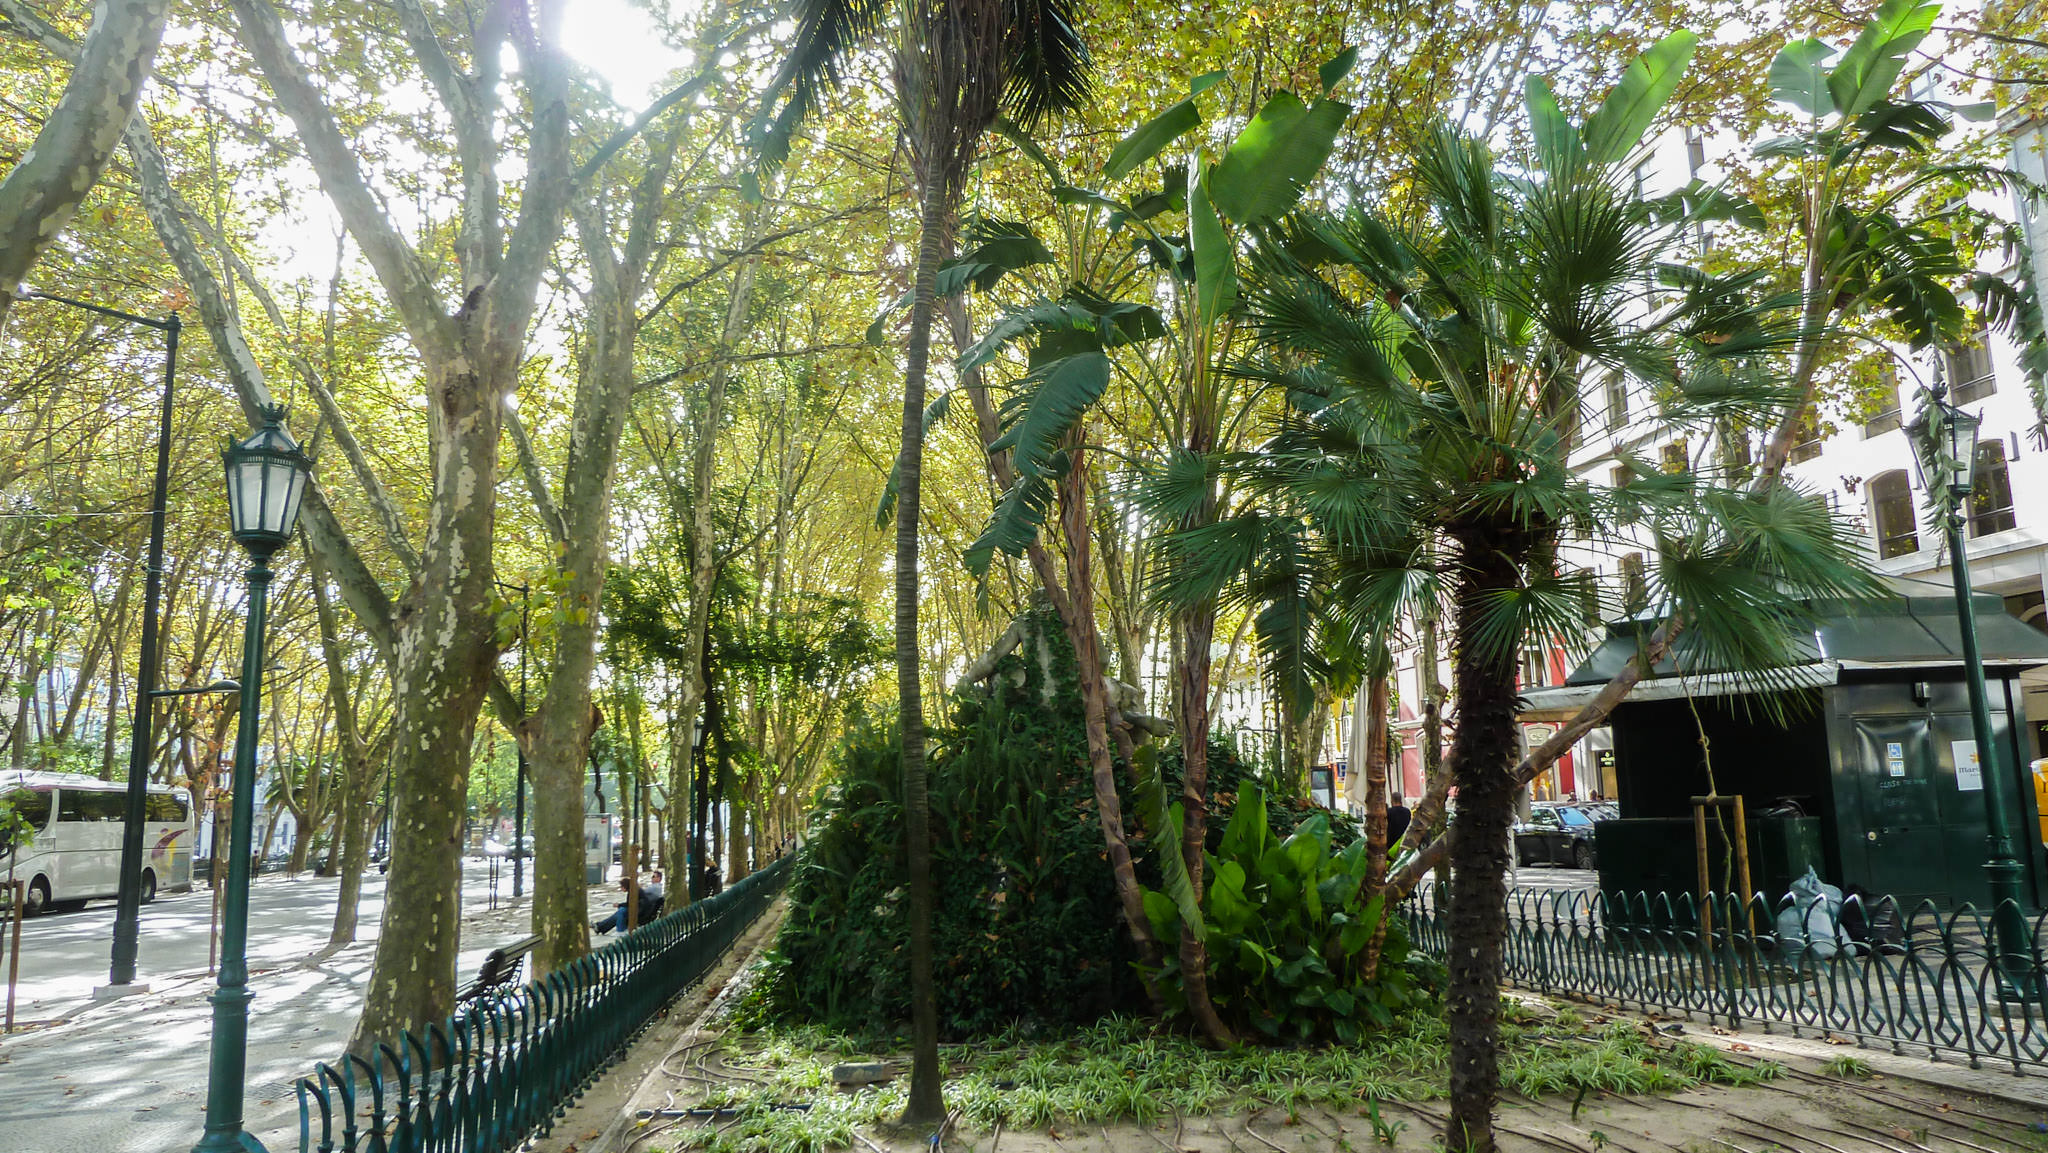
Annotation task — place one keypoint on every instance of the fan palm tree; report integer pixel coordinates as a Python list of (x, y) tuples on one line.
[(1435, 374), (959, 65)]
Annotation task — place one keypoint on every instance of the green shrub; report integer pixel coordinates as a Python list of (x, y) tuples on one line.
[(1290, 932), (1026, 925)]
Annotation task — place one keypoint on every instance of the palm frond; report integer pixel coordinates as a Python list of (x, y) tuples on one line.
[(1046, 66)]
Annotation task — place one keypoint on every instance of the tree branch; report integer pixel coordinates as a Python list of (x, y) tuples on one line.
[(536, 481), (405, 278)]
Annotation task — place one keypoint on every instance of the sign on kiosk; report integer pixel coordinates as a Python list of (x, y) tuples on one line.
[(597, 848)]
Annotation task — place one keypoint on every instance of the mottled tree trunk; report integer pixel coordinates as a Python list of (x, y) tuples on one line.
[(447, 648), (43, 190), (557, 736), (1483, 755)]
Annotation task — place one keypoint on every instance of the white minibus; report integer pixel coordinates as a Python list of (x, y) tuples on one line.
[(69, 844)]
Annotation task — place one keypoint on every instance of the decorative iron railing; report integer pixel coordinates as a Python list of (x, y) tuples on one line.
[(504, 1068), (1927, 980)]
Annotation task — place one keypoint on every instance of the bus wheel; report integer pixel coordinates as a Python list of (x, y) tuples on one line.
[(148, 892), (38, 897)]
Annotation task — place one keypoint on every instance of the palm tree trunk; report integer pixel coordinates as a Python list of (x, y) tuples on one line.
[(1095, 698), (1483, 759), (927, 1103), (1198, 631)]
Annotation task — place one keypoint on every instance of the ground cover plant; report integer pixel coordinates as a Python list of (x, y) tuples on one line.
[(780, 1099)]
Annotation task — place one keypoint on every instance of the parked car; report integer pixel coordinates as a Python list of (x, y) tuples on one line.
[(1556, 834)]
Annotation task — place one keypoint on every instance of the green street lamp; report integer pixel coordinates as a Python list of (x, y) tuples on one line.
[(1944, 440), (267, 477)]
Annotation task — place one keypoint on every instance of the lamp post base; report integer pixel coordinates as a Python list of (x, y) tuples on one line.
[(236, 1142)]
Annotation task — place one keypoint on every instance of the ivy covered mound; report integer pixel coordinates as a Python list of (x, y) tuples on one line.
[(1026, 925)]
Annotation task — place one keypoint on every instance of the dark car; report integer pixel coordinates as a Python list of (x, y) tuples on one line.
[(1556, 834)]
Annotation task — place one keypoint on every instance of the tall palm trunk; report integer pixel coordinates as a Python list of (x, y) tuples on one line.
[(1483, 759), (926, 1104), (1095, 697), (1197, 634)]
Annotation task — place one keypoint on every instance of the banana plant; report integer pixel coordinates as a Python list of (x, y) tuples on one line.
[(1170, 340)]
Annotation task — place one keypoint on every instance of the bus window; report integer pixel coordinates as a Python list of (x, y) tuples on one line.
[(80, 805), (31, 807), (168, 809)]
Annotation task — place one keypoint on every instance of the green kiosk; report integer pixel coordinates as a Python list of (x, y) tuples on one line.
[(1847, 761)]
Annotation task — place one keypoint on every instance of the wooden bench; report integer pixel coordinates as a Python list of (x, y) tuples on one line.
[(500, 970)]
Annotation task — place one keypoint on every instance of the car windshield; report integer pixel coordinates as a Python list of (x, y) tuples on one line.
[(1574, 817)]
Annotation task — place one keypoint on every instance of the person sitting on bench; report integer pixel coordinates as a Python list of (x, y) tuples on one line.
[(649, 903)]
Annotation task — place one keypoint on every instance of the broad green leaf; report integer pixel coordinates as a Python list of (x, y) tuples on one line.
[(1160, 911), (1557, 143), (1227, 902), (1789, 147), (1799, 77), (1174, 874), (1244, 838), (1336, 68), (1868, 69), (1068, 194), (1271, 162), (1152, 137), (1619, 123), (1215, 256)]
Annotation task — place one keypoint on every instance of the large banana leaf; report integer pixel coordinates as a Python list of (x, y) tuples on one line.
[(1799, 77), (1271, 162), (1558, 148), (1155, 134), (1870, 66), (1215, 257), (1614, 129)]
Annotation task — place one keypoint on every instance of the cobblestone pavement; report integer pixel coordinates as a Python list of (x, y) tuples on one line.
[(129, 1075)]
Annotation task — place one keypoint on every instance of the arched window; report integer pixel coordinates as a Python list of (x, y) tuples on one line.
[(1891, 510)]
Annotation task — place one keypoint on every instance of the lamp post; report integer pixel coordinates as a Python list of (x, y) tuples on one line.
[(1944, 440), (128, 903), (266, 478)]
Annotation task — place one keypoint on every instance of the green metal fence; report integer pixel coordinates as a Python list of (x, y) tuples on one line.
[(1926, 980), (504, 1069)]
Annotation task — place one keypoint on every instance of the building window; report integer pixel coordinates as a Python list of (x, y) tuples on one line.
[(1617, 401), (1807, 446), (1990, 491), (1970, 375), (1695, 154), (1635, 592), (1884, 408), (1620, 476), (1891, 507), (1673, 457)]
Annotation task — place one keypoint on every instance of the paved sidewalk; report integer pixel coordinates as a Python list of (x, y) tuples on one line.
[(129, 1076)]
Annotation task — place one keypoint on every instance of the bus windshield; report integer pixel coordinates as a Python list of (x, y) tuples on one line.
[(22, 813)]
